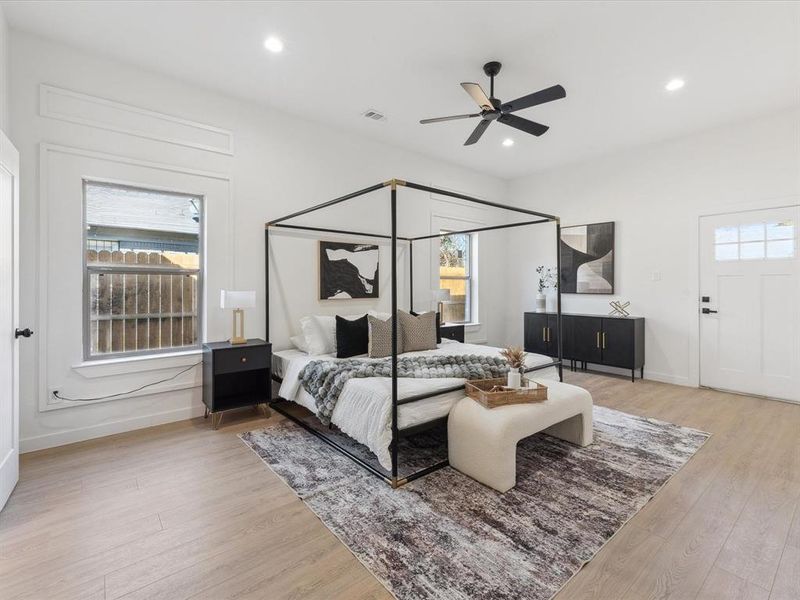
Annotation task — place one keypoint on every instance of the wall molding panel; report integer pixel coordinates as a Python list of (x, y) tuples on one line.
[(58, 237), (92, 111)]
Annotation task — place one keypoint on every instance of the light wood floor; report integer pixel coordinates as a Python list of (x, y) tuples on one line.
[(181, 511)]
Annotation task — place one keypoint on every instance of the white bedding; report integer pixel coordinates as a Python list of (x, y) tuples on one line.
[(364, 408)]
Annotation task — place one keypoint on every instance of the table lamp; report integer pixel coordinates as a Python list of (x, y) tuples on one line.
[(439, 296), (238, 301)]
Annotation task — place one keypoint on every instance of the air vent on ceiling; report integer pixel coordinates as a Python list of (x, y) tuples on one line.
[(373, 114)]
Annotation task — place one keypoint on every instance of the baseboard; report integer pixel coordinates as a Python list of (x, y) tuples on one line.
[(651, 375), (667, 378), (52, 440)]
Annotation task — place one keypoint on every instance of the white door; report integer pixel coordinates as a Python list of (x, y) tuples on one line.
[(750, 302), (9, 309)]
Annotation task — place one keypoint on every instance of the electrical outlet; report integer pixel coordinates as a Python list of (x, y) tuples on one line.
[(655, 276)]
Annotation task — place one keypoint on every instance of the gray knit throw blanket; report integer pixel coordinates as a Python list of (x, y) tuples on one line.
[(325, 379)]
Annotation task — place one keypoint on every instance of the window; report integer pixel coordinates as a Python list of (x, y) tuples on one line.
[(456, 275), (755, 241), (142, 270)]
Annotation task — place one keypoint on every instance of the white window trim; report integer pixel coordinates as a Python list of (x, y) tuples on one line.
[(119, 357), (92, 369)]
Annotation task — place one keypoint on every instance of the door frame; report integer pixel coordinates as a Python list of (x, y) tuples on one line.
[(789, 201), (9, 160)]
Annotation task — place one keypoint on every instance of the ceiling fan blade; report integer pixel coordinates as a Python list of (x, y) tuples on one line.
[(477, 133), (540, 97), (453, 118), (523, 124), (477, 93)]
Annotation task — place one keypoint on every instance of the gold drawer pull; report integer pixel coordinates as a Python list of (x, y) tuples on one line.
[(604, 340), (598, 339)]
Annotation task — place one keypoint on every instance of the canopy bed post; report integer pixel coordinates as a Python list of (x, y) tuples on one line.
[(394, 332), (559, 340), (266, 282), (410, 275)]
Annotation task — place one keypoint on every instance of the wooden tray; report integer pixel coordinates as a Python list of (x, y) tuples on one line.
[(480, 390)]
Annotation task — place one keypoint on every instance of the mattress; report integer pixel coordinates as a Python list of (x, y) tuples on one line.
[(364, 408)]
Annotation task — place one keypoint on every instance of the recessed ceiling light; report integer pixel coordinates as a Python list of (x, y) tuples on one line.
[(674, 84), (508, 142), (273, 44)]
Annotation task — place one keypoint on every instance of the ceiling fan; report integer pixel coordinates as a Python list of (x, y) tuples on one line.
[(493, 109)]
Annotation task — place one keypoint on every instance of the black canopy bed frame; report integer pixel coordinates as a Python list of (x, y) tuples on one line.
[(394, 185)]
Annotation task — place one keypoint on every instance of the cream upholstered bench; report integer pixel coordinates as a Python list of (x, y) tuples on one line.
[(483, 442)]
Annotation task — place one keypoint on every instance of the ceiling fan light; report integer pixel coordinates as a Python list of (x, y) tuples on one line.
[(273, 44), (674, 85)]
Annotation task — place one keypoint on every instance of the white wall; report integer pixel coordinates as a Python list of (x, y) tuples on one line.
[(279, 164), (4, 68), (655, 195)]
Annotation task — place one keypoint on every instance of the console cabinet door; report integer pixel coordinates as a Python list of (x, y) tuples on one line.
[(536, 333), (587, 338), (552, 335), (618, 343)]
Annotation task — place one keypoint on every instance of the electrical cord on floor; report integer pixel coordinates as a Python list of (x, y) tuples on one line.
[(145, 386)]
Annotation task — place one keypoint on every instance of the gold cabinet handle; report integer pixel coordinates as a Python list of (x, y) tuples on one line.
[(544, 334), (604, 340), (598, 339), (548, 334)]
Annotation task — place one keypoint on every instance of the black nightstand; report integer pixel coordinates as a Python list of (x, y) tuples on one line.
[(235, 376), (453, 332)]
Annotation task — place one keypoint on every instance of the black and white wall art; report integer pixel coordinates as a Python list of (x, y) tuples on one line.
[(587, 259), (348, 270)]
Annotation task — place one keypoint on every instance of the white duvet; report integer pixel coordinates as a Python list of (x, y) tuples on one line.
[(364, 409)]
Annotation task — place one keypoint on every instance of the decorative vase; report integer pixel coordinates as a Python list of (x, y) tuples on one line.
[(514, 379), (551, 300), (541, 301)]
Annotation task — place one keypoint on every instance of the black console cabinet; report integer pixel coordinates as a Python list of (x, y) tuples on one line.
[(235, 376), (603, 340), (541, 333)]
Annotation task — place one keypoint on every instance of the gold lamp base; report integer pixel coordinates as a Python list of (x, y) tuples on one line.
[(238, 332)]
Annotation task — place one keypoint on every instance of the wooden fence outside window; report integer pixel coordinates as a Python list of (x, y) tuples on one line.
[(141, 301)]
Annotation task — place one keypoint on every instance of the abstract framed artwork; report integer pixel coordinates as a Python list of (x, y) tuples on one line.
[(348, 270), (587, 259)]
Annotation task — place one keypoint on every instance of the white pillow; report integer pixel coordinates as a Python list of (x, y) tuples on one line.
[(299, 342), (319, 332)]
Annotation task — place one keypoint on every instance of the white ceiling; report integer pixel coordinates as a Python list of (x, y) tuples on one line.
[(739, 59)]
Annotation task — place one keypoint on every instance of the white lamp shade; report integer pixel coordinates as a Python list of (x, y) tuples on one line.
[(441, 295), (237, 299)]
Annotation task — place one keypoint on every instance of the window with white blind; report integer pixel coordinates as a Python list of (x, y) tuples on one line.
[(142, 270)]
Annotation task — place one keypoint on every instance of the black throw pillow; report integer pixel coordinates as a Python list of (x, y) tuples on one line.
[(438, 326), (352, 336)]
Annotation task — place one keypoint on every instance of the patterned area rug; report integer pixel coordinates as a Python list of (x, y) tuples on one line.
[(448, 537)]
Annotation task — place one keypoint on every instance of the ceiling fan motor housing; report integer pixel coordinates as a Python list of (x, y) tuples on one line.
[(492, 68)]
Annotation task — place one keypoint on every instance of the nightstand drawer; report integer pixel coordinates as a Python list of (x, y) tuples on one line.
[(452, 332), (232, 360)]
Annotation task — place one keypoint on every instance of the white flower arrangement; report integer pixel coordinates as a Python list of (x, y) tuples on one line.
[(548, 277)]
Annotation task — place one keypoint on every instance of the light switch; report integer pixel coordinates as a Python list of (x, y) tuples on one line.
[(655, 276)]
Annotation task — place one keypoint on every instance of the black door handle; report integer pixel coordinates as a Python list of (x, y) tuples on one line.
[(707, 311), (26, 333)]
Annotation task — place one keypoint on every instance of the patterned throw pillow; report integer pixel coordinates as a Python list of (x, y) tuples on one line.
[(380, 337), (419, 333)]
